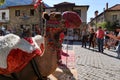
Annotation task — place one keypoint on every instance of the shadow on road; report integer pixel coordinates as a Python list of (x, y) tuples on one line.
[(94, 50), (105, 53), (111, 56)]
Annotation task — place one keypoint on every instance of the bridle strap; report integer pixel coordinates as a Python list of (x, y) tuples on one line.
[(36, 70), (14, 75), (9, 76)]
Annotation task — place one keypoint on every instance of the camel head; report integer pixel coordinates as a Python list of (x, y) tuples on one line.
[(54, 26)]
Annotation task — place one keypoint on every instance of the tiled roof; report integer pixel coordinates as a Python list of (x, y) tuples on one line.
[(64, 3), (113, 8), (116, 7)]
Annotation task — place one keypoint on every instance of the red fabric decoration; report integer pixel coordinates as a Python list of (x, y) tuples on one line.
[(67, 24), (53, 25), (35, 6), (18, 59), (42, 47), (72, 19), (62, 35), (37, 3), (29, 39)]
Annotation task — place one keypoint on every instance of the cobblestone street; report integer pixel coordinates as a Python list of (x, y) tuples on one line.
[(92, 65), (88, 64)]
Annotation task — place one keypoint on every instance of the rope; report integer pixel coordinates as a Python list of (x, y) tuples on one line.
[(67, 49), (36, 70)]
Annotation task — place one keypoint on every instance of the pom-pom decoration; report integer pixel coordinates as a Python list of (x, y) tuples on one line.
[(37, 3), (72, 19), (35, 6)]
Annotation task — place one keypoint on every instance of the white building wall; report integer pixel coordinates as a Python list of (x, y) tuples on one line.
[(83, 13), (49, 10), (6, 15)]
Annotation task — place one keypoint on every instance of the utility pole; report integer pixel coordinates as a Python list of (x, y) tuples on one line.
[(40, 18), (39, 7)]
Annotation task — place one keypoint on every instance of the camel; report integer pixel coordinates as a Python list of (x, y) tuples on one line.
[(41, 65), (42, 51)]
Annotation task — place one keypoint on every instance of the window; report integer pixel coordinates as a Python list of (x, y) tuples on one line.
[(17, 12), (114, 17), (21, 26), (102, 19), (3, 15), (31, 12), (78, 11)]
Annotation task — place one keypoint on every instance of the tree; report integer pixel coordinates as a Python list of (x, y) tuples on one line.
[(109, 25), (92, 24), (103, 25), (2, 2), (112, 25)]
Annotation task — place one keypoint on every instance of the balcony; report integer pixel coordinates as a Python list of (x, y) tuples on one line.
[(4, 20)]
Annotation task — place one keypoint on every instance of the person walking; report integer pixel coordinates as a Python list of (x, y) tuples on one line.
[(84, 37), (92, 38), (100, 39), (106, 39)]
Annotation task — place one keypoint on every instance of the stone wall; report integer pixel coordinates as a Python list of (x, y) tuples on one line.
[(25, 18)]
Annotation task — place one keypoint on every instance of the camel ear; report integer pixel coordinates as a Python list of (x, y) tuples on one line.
[(58, 16), (45, 16)]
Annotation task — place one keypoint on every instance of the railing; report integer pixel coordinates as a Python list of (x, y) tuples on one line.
[(4, 20)]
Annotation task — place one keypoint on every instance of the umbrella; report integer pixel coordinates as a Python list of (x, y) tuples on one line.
[(72, 19)]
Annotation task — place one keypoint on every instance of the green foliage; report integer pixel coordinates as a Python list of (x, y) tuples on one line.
[(112, 25), (108, 25), (2, 2), (103, 25), (92, 24)]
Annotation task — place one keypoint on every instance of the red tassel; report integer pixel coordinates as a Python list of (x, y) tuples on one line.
[(35, 6)]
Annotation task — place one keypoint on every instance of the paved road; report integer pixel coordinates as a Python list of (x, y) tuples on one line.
[(92, 65)]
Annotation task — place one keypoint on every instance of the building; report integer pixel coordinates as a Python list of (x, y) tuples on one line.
[(19, 17), (109, 18), (22, 16), (4, 16), (80, 9), (19, 14)]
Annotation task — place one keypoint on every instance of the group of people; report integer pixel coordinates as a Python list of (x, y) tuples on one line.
[(102, 39), (117, 38), (4, 31)]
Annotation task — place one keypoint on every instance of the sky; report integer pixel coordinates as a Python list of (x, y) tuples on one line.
[(93, 5)]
